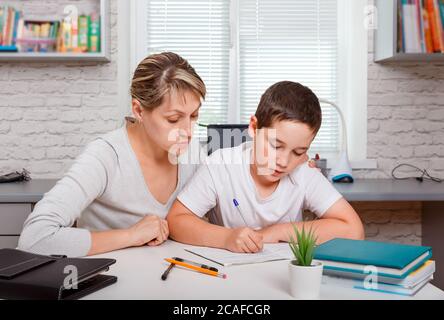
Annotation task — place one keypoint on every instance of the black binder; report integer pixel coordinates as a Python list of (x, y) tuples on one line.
[(25, 275)]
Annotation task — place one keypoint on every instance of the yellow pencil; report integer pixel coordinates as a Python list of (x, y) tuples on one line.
[(202, 270)]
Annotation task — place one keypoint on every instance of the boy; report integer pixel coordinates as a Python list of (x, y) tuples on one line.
[(256, 192)]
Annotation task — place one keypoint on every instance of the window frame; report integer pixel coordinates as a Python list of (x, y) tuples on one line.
[(352, 70)]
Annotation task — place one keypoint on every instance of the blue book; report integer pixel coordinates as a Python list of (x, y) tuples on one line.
[(15, 27), (361, 256), (441, 10), (8, 48)]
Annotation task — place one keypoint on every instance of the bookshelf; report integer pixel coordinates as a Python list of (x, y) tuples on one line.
[(386, 37), (33, 12)]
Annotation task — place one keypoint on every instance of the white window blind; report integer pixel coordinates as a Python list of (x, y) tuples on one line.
[(199, 31), (290, 40), (278, 40)]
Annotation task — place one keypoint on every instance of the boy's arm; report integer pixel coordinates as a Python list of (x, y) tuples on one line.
[(186, 227), (339, 221)]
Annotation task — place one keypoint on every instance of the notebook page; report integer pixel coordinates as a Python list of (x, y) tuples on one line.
[(270, 252)]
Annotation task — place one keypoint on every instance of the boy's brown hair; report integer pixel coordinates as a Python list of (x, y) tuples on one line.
[(287, 100)]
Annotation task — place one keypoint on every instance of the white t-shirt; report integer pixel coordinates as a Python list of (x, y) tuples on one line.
[(225, 176)]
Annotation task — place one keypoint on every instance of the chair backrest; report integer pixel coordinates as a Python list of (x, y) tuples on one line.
[(226, 136)]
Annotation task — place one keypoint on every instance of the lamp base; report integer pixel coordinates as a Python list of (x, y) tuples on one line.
[(342, 171)]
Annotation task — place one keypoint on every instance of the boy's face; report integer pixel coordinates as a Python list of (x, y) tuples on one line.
[(280, 148)]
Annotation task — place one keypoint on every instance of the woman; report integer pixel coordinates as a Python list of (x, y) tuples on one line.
[(121, 187)]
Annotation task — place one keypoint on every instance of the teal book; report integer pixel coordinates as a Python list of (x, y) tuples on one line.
[(441, 10), (359, 256)]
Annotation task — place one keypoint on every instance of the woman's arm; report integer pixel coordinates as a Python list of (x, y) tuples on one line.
[(339, 221), (48, 229), (149, 230)]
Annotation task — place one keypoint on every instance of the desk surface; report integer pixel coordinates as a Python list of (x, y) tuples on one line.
[(139, 270), (25, 191), (361, 190), (391, 190)]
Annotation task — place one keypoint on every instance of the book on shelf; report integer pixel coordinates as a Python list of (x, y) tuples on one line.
[(420, 26), (19, 34)]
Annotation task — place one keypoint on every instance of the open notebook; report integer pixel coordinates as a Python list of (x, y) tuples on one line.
[(270, 252)]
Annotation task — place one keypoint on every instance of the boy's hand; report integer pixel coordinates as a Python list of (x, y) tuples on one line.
[(244, 240), (150, 230)]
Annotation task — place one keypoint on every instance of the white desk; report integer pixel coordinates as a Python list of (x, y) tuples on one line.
[(139, 270)]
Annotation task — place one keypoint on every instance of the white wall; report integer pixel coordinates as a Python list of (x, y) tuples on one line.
[(49, 111)]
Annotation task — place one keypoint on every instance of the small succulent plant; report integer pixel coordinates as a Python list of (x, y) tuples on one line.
[(303, 246)]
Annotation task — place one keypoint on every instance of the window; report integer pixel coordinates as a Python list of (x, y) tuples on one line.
[(290, 40), (240, 47)]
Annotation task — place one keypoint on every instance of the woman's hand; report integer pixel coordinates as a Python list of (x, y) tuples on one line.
[(244, 240), (150, 230)]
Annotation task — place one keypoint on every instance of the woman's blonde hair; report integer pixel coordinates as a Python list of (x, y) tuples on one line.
[(160, 74)]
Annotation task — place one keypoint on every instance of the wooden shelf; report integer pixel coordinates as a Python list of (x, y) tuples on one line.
[(102, 56), (386, 37), (418, 57), (53, 56)]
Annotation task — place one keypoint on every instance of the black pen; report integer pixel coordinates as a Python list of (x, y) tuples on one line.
[(167, 271)]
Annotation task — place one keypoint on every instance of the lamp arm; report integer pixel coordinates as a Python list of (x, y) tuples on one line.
[(344, 127)]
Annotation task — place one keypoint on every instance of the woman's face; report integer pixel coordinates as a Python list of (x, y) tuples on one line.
[(170, 125)]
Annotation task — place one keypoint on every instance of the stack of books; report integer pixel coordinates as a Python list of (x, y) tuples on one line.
[(421, 26), (81, 34), (9, 19), (376, 266)]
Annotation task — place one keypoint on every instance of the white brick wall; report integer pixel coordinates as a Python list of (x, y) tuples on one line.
[(405, 115), (405, 124), (49, 111)]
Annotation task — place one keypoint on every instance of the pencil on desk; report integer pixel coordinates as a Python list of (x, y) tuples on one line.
[(167, 271), (198, 269)]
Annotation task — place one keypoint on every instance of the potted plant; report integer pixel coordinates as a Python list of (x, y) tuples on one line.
[(305, 273)]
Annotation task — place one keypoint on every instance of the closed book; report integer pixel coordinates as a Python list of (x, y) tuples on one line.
[(94, 33), (7, 29), (74, 34), (439, 23), (441, 10), (417, 276), (1, 25), (391, 259), (83, 33), (15, 28), (419, 7), (411, 27), (375, 286), (430, 6), (427, 32)]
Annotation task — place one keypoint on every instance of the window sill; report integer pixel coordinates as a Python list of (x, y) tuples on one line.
[(355, 164)]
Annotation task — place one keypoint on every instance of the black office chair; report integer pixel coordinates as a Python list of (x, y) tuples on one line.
[(226, 136)]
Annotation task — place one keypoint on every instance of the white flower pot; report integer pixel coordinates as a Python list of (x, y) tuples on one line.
[(305, 282)]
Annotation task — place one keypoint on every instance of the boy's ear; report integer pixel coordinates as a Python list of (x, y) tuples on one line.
[(137, 109), (252, 126)]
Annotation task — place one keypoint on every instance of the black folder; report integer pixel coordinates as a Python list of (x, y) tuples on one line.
[(25, 275)]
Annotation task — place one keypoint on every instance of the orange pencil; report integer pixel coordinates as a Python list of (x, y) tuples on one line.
[(202, 270)]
